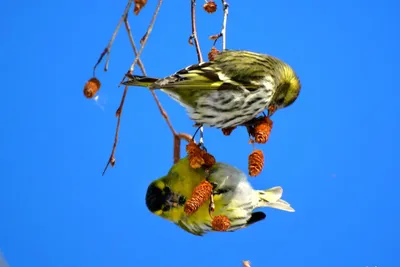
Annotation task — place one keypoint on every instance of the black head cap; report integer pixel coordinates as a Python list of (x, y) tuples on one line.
[(155, 198)]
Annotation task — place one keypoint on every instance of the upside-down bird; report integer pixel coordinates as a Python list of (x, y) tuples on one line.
[(230, 90), (233, 195)]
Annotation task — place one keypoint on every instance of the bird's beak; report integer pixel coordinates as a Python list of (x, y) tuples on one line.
[(175, 199)]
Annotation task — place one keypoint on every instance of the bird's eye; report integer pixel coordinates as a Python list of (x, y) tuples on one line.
[(167, 191), (181, 200), (166, 208), (280, 101)]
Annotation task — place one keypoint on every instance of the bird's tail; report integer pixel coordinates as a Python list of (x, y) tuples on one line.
[(272, 198), (136, 80)]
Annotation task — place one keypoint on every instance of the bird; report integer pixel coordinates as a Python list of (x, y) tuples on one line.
[(233, 195), (230, 90)]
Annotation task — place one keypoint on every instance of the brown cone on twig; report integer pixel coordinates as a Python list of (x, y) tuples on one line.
[(220, 223), (201, 194), (210, 6), (228, 131), (194, 155), (262, 130), (91, 87), (139, 4), (213, 52), (199, 158), (256, 162)]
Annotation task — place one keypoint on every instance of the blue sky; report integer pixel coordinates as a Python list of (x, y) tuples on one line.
[(335, 151)]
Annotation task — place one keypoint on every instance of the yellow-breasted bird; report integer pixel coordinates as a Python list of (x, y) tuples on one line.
[(234, 197), (230, 90)]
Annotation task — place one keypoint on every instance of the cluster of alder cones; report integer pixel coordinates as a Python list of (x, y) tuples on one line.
[(199, 158), (259, 132)]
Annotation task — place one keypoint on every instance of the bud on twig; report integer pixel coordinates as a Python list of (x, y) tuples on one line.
[(210, 6)]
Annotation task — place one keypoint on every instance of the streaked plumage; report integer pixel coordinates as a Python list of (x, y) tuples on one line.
[(233, 195), (231, 90)]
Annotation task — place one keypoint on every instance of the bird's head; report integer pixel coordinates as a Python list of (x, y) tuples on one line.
[(288, 88), (163, 201)]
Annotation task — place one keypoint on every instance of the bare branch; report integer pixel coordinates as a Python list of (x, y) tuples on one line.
[(107, 50), (177, 137), (146, 35), (111, 160), (124, 18), (222, 34), (223, 30)]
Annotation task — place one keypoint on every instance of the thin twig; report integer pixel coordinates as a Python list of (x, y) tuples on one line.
[(194, 31), (177, 137), (223, 30), (128, 30), (124, 18), (198, 50), (146, 36), (107, 50), (111, 160)]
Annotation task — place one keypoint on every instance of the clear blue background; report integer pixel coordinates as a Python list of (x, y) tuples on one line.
[(335, 151)]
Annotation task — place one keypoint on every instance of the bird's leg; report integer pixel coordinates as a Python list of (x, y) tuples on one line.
[(271, 110), (250, 131), (198, 128), (211, 207)]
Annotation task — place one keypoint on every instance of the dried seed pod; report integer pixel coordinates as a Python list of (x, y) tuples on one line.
[(91, 87), (209, 159), (200, 194), (196, 161), (139, 4), (256, 162), (262, 130), (194, 155), (228, 131), (220, 223), (213, 52), (192, 148), (214, 36), (210, 6)]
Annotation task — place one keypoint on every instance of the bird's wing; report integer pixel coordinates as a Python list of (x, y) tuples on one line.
[(194, 231), (202, 76), (256, 217)]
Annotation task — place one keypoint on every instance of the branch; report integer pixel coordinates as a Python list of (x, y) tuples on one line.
[(193, 37), (111, 160), (107, 50), (177, 137), (124, 18), (146, 35), (223, 30)]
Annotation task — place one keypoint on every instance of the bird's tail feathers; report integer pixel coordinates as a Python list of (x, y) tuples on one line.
[(272, 198), (136, 80)]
